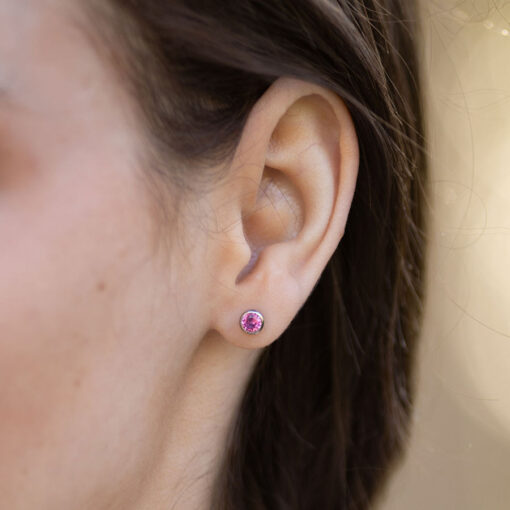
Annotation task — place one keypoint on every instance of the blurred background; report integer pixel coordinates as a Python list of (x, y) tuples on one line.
[(459, 455)]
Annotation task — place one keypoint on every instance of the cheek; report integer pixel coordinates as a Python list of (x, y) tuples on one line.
[(79, 351), (75, 247)]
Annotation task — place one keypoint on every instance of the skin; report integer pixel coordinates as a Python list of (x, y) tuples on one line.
[(121, 363)]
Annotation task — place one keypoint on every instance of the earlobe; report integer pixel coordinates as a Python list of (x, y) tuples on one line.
[(294, 177)]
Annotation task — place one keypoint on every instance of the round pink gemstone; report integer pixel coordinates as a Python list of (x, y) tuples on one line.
[(252, 322)]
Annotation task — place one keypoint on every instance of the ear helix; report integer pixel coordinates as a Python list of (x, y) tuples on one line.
[(251, 322)]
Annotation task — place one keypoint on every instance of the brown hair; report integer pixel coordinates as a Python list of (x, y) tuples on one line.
[(327, 409)]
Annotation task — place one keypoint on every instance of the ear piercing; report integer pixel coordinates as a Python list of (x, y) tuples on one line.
[(251, 322)]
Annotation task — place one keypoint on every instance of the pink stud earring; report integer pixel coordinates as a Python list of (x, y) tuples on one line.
[(251, 322)]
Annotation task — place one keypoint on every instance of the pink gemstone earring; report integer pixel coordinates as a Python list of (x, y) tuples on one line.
[(251, 322)]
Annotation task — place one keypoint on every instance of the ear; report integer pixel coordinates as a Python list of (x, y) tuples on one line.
[(283, 209)]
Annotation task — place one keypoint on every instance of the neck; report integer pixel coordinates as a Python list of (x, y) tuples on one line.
[(198, 424)]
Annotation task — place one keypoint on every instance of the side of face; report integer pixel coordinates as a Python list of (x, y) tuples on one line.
[(103, 337), (84, 313)]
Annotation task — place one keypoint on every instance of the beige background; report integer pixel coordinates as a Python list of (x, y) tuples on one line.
[(459, 456)]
